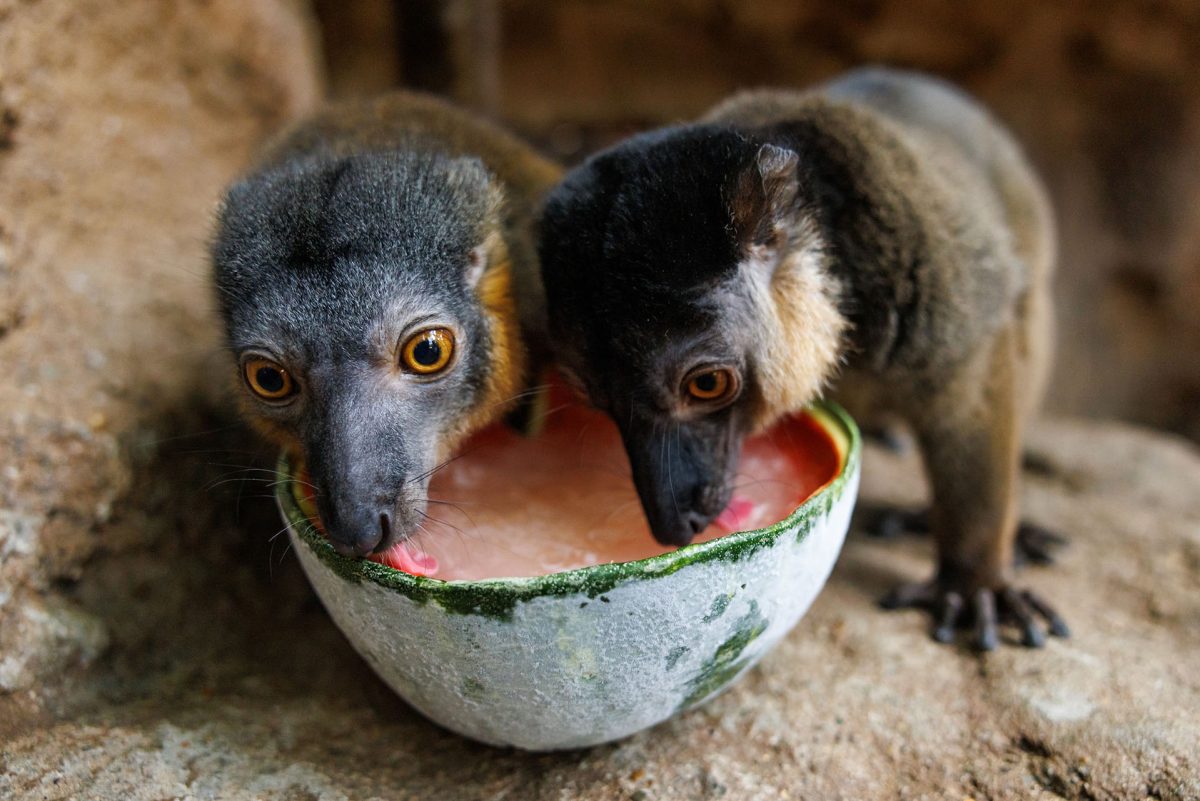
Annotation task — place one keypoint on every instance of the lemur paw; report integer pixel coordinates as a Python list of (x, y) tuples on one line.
[(983, 612), (889, 522), (1034, 545), (889, 437)]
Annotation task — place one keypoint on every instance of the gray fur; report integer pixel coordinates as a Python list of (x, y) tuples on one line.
[(349, 239)]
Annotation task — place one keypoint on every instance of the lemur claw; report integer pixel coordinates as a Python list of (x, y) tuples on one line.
[(1034, 545), (987, 610), (891, 438), (889, 522)]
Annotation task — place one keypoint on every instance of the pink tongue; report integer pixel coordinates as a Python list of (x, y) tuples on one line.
[(401, 558), (736, 514)]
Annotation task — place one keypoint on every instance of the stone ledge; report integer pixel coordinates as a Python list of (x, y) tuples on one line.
[(264, 699)]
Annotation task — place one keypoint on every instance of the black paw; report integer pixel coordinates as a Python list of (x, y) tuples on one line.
[(889, 522), (982, 611), (892, 438), (1034, 545)]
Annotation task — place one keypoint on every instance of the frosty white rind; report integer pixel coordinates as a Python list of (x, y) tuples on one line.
[(590, 655)]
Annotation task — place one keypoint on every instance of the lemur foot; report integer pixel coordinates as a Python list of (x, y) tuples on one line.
[(891, 438), (1035, 545), (984, 612), (889, 522)]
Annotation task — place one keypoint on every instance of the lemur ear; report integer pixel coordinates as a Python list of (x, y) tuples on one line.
[(477, 261), (489, 259), (764, 196), (491, 249)]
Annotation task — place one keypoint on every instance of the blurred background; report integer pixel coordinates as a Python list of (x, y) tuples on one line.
[(1103, 94)]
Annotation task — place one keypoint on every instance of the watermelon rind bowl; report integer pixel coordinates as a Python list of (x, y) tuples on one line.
[(590, 655)]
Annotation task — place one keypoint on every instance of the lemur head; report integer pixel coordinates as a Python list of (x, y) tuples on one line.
[(367, 304), (688, 297)]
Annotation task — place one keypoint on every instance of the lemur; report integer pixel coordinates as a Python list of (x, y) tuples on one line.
[(705, 279), (376, 274)]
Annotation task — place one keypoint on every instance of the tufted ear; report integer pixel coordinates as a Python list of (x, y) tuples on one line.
[(477, 262), (490, 251), (764, 197)]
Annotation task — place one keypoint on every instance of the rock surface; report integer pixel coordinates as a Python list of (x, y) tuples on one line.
[(245, 689), (157, 642), (119, 125)]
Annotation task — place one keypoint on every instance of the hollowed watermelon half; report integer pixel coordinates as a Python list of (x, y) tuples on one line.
[(592, 654)]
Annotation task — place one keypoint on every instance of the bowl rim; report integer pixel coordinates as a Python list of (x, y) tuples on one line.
[(498, 597)]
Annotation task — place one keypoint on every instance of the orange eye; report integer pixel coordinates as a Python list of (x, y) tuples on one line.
[(428, 352), (268, 380), (711, 385)]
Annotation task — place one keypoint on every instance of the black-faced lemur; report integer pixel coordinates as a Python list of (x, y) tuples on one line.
[(883, 230)]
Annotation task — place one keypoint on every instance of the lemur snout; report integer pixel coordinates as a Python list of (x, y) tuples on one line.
[(358, 531), (385, 528), (695, 522), (366, 541), (680, 480), (363, 512), (359, 548), (678, 522)]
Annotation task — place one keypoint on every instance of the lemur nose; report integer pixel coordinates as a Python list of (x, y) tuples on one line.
[(358, 540), (371, 543), (367, 540), (697, 522)]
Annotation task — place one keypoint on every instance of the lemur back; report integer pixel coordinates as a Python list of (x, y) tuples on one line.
[(946, 117), (958, 145)]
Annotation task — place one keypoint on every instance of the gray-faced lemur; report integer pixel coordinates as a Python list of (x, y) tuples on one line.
[(705, 279), (377, 278)]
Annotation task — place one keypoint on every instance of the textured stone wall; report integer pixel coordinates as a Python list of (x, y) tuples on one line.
[(121, 122)]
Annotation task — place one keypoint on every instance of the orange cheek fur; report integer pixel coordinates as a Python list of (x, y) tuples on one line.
[(280, 436), (507, 356)]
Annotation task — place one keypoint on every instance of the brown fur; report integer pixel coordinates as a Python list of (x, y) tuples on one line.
[(269, 429), (963, 348), (801, 331)]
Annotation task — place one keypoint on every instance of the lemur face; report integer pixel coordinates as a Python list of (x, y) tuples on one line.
[(679, 384), (662, 261), (351, 294)]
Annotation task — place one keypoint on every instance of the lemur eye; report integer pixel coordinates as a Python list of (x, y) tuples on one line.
[(268, 380), (428, 352), (711, 385)]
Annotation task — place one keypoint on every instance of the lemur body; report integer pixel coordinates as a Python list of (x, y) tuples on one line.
[(883, 230), (378, 280)]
